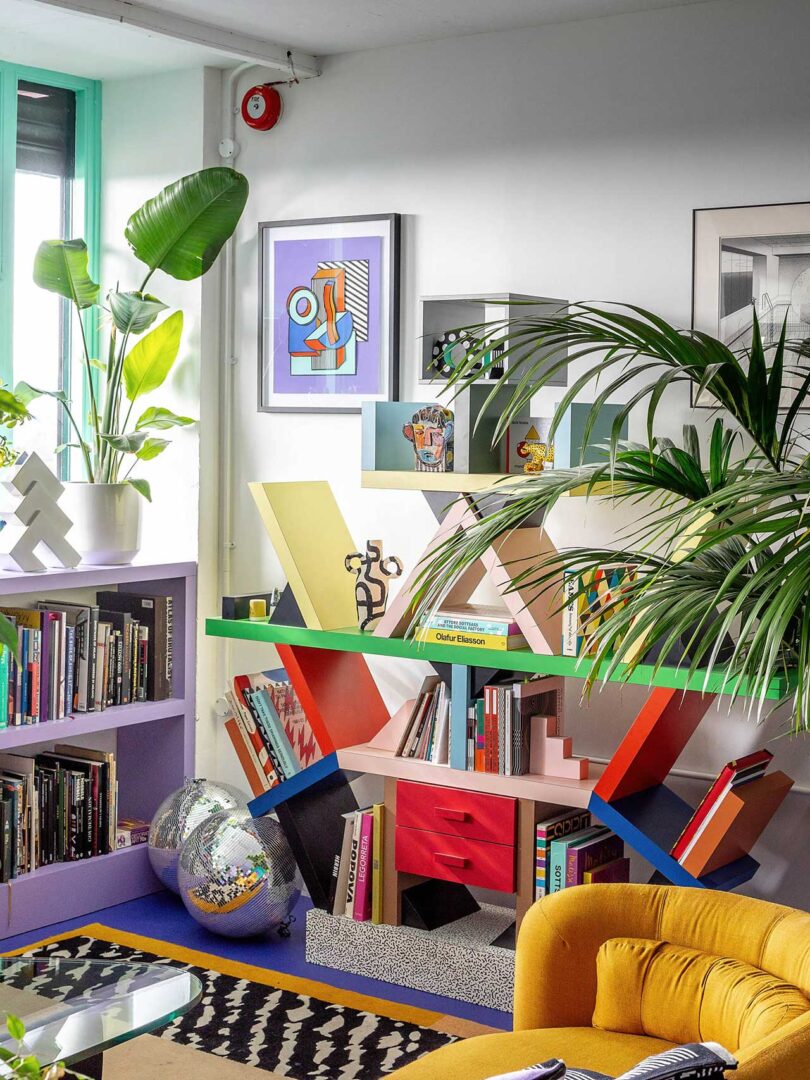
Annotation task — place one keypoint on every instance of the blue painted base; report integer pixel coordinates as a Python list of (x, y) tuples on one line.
[(163, 916), (650, 822), (269, 800)]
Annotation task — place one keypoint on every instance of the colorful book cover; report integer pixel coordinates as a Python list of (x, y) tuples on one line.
[(273, 731), (470, 639), (241, 685), (5, 656), (616, 871), (471, 625), (560, 824), (297, 728), (248, 761), (361, 912), (590, 600), (345, 857), (351, 881), (378, 811), (583, 857), (558, 853)]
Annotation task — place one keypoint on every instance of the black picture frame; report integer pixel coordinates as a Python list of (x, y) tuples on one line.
[(391, 230)]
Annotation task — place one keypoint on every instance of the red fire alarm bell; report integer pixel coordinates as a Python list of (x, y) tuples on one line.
[(261, 107)]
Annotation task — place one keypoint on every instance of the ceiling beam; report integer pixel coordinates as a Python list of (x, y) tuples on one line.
[(239, 46)]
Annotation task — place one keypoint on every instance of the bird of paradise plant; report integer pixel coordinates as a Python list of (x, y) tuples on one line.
[(721, 539)]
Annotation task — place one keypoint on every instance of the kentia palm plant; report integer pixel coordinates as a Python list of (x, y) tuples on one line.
[(181, 232), (721, 540)]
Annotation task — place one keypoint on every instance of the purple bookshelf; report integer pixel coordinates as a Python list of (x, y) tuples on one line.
[(154, 748)]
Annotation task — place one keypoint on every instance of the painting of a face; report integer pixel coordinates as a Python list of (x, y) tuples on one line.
[(431, 432)]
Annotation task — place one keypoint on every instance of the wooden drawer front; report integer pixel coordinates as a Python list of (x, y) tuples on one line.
[(455, 858), (460, 813)]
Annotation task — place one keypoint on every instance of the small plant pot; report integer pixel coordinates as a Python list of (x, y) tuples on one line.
[(106, 522)]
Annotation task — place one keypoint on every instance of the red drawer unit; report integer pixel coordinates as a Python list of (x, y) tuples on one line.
[(455, 858), (472, 814)]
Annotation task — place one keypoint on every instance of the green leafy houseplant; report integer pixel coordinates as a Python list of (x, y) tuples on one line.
[(721, 538), (181, 232), (25, 1066)]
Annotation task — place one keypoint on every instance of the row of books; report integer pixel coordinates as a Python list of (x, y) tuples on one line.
[(697, 841), (570, 850), (356, 886), (269, 730), (58, 806), (77, 657), (427, 732)]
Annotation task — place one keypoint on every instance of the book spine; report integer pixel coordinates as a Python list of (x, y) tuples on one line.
[(503, 721), (471, 640), (570, 622), (491, 729), (361, 911), (351, 881), (258, 751), (70, 668), (487, 627), (169, 655), (4, 674), (557, 865), (578, 860), (250, 768), (274, 731), (377, 864)]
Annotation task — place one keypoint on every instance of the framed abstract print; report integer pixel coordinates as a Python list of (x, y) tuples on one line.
[(328, 313), (750, 259)]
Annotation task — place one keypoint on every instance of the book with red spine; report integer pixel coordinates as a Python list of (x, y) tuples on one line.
[(491, 729), (250, 764), (741, 769), (361, 911), (241, 685)]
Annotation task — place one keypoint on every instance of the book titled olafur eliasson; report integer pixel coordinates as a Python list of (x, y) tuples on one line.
[(473, 625)]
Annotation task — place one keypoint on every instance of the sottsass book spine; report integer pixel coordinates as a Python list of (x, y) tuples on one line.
[(362, 897), (570, 629), (499, 627), (561, 824)]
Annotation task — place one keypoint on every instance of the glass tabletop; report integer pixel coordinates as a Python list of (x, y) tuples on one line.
[(73, 1009)]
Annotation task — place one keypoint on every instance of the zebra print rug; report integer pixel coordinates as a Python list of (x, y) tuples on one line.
[(291, 1034)]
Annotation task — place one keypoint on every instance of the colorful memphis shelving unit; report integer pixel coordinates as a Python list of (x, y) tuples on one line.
[(153, 741), (326, 664)]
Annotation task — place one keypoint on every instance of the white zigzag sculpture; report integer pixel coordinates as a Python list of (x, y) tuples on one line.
[(36, 525)]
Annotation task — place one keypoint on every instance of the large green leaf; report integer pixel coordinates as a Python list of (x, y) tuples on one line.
[(128, 443), (143, 488), (183, 228), (151, 448), (134, 312), (161, 419), (60, 266), (149, 361)]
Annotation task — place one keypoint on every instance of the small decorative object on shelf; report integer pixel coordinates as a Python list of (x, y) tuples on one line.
[(237, 875), (528, 448), (179, 814), (451, 347), (238, 607), (371, 588), (431, 432), (36, 526)]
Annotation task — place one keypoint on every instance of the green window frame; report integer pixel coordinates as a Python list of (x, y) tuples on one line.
[(86, 194)]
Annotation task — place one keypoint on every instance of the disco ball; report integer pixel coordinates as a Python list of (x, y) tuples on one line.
[(179, 814), (238, 876)]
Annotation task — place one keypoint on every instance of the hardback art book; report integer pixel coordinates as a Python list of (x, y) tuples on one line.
[(591, 599), (155, 613)]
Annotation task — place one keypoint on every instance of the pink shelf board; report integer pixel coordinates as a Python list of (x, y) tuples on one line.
[(68, 890), (141, 712), (548, 789), (84, 577)]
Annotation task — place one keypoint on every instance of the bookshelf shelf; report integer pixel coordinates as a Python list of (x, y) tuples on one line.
[(350, 639), (463, 483), (64, 890), (541, 789), (153, 744), (142, 712)]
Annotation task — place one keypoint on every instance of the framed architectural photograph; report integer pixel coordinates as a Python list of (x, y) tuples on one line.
[(328, 313), (752, 258)]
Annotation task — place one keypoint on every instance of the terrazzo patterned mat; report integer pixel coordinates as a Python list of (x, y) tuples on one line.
[(277, 1028)]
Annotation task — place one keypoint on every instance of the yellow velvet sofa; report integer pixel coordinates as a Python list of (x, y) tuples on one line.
[(653, 966)]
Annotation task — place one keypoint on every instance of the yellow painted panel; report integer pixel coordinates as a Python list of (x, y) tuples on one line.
[(311, 540)]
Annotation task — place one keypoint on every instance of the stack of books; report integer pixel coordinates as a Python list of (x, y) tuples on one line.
[(269, 731), (476, 626), (56, 807), (427, 732), (732, 814), (570, 850), (356, 887), (77, 658), (499, 726)]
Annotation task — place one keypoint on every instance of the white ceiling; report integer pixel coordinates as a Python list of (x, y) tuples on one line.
[(49, 37)]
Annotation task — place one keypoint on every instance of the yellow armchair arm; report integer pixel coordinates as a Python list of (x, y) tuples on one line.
[(555, 965), (784, 1055)]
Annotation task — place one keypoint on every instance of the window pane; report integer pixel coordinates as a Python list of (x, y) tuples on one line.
[(42, 211)]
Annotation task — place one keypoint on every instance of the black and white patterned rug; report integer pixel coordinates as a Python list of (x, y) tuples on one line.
[(294, 1035)]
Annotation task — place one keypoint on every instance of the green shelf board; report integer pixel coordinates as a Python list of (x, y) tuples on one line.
[(351, 639)]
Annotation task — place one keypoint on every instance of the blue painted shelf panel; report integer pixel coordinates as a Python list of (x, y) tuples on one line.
[(269, 800)]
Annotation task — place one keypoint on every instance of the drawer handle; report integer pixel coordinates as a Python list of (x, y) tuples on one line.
[(450, 860), (452, 815)]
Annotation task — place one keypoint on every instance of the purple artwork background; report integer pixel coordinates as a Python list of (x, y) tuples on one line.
[(294, 262)]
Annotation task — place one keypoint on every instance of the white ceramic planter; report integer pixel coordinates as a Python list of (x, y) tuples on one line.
[(106, 522)]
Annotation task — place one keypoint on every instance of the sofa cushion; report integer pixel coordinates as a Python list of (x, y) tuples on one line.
[(683, 995), (489, 1055)]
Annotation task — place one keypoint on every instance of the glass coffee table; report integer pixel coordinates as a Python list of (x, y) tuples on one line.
[(74, 1010)]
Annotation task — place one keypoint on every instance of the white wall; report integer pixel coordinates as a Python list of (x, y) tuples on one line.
[(155, 130), (563, 161)]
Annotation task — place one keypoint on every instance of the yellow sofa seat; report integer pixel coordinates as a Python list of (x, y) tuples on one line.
[(556, 981)]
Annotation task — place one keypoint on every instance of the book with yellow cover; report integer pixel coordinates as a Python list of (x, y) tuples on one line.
[(377, 863), (470, 640)]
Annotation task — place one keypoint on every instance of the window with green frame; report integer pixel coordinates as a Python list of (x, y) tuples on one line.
[(50, 133)]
